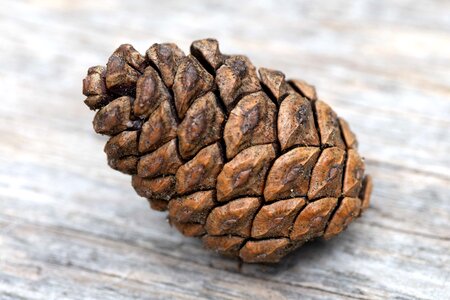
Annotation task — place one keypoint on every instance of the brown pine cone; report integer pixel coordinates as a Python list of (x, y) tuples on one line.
[(254, 165)]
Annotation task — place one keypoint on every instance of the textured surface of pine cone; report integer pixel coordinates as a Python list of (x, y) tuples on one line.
[(255, 165)]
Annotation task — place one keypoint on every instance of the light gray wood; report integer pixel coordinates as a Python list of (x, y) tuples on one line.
[(72, 228)]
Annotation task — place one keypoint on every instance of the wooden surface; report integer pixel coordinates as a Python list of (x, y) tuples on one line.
[(72, 228)]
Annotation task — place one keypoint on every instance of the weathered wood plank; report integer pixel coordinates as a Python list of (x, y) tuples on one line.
[(42, 211), (71, 228)]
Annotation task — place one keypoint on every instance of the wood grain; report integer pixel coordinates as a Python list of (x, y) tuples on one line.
[(72, 228)]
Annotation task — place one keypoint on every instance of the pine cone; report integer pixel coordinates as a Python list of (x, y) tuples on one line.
[(255, 166)]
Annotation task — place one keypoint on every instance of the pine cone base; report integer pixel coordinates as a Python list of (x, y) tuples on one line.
[(254, 165)]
